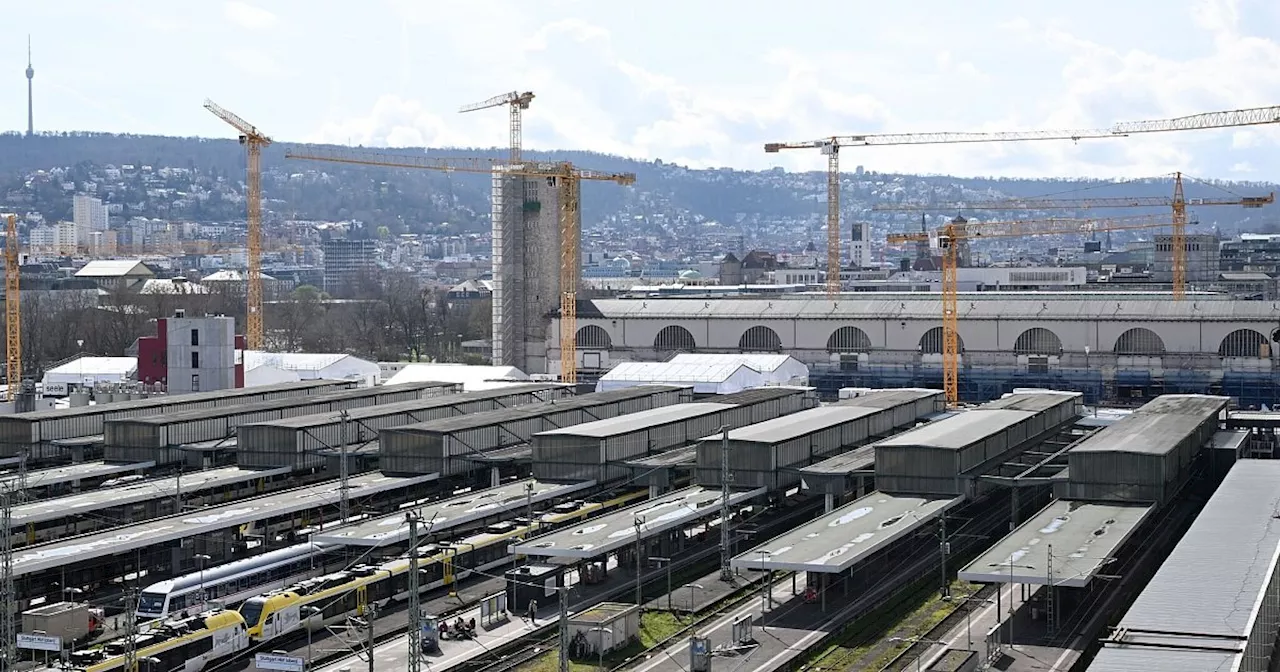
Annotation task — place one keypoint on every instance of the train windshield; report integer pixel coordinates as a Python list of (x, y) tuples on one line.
[(251, 610), (151, 603)]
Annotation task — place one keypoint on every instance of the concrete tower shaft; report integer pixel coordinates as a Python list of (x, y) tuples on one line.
[(31, 74)]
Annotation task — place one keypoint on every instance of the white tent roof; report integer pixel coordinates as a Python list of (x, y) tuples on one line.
[(292, 361), (114, 268), (90, 366), (776, 369), (473, 378), (720, 378)]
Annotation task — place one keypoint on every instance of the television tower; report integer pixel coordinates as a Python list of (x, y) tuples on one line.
[(31, 74)]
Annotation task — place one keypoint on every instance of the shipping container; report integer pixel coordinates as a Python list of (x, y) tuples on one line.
[(1146, 456), (300, 441), (158, 438), (29, 431), (934, 459), (438, 446)]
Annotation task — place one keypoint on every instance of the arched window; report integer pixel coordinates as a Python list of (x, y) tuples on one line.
[(1038, 341), (931, 342), (848, 339), (760, 339), (674, 339), (593, 337), (1244, 343), (1139, 341)]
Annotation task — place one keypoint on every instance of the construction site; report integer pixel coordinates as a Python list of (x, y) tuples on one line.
[(813, 479)]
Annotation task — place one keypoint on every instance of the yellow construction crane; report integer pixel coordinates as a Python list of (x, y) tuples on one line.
[(1177, 202), (253, 141), (830, 146), (951, 234), (12, 308), (518, 102), (568, 183)]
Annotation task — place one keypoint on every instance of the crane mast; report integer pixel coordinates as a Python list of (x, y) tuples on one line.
[(568, 184), (253, 141), (830, 146), (517, 102), (12, 308), (953, 233)]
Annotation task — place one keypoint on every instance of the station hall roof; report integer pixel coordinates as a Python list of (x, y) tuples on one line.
[(839, 539), (798, 424), (639, 421), (958, 431), (448, 513), (1083, 537), (54, 554), (612, 531), (977, 308), (1211, 590)]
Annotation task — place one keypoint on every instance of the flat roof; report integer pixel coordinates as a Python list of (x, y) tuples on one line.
[(671, 458), (196, 414), (165, 401), (133, 493), (960, 430), (1230, 439), (640, 420), (889, 398), (37, 478), (615, 530), (1036, 402), (448, 513), (798, 424), (52, 555), (1147, 434), (1190, 404), (1223, 563), (1084, 537), (837, 540), (382, 410), (858, 459), (1126, 659), (500, 416)]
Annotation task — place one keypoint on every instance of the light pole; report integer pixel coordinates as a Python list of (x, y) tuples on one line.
[(639, 522), (667, 562), (764, 586), (200, 560), (909, 641), (691, 587), (968, 612), (1011, 566)]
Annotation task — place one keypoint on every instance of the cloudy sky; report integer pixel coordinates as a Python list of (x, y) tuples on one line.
[(699, 82)]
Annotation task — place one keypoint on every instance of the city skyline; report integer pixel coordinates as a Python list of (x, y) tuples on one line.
[(701, 97)]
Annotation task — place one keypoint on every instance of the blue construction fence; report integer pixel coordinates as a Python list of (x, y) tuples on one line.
[(1128, 387)]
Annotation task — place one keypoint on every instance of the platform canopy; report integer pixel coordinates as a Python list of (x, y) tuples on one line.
[(446, 514), (610, 532), (836, 541), (1084, 537)]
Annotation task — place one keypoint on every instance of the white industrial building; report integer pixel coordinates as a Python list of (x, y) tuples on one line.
[(309, 366), (773, 369), (724, 377), (88, 371), (472, 378)]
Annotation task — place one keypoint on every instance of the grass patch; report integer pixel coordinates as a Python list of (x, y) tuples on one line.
[(911, 617), (655, 626)]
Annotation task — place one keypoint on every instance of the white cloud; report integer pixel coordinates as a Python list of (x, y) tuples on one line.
[(248, 16), (255, 62), (594, 93)]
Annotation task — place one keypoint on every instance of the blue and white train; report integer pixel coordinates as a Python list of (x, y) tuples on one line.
[(235, 581)]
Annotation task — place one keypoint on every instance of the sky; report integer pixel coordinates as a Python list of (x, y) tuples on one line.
[(703, 83)]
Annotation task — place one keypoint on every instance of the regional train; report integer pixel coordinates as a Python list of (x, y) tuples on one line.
[(235, 581), (188, 645), (192, 643), (321, 601)]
